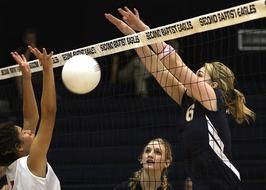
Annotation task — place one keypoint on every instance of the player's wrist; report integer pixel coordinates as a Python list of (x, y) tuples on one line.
[(167, 50)]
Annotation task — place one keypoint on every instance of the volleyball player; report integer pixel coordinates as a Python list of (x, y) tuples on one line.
[(25, 154), (155, 160), (206, 96)]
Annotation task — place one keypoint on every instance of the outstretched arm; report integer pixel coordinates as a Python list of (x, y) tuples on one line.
[(201, 91), (30, 108), (37, 160), (152, 63)]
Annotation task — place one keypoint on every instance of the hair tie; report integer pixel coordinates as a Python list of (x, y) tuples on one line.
[(165, 52)]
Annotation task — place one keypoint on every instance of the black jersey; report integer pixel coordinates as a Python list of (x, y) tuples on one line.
[(207, 141)]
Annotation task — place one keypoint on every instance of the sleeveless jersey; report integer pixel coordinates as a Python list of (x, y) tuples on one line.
[(20, 177)]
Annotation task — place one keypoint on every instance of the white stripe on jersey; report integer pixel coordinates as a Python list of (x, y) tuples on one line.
[(217, 145)]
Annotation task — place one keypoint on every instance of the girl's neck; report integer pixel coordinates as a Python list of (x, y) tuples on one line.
[(150, 180)]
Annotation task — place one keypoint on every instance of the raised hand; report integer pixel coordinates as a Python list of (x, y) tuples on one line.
[(23, 64), (45, 59), (133, 19), (121, 25)]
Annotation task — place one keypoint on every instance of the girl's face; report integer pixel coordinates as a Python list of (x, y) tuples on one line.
[(203, 75), (153, 157), (26, 138)]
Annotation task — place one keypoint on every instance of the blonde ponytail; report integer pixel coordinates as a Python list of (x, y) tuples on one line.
[(164, 179), (234, 99), (135, 180), (235, 102)]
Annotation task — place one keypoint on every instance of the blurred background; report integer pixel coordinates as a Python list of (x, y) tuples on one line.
[(63, 26)]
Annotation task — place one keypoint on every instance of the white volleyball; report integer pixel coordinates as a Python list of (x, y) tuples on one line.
[(81, 74)]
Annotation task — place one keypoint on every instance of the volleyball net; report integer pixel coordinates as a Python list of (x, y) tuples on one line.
[(219, 19)]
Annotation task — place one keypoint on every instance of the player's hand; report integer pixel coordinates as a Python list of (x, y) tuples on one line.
[(23, 64), (132, 19), (121, 25), (44, 58)]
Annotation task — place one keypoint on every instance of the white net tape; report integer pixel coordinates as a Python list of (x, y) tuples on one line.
[(215, 20)]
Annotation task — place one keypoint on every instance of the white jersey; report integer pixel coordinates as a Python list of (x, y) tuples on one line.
[(20, 177)]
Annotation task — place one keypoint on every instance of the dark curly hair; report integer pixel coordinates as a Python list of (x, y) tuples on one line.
[(8, 143)]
